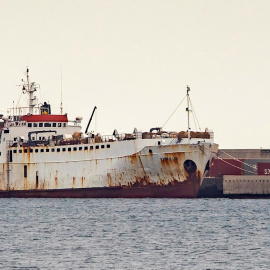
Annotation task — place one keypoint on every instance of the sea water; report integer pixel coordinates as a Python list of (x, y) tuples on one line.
[(134, 234)]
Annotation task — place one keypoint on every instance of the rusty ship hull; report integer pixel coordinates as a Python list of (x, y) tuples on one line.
[(156, 171)]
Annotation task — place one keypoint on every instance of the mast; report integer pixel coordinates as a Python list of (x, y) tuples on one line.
[(30, 88), (61, 104), (188, 110)]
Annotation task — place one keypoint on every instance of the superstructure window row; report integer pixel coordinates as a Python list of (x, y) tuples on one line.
[(46, 124), (64, 149)]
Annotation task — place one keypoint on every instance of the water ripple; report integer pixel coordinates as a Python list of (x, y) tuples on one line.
[(134, 234)]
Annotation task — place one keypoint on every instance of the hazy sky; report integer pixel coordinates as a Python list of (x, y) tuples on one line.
[(133, 60)]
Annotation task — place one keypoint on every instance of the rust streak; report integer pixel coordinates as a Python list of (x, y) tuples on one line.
[(56, 182), (109, 180), (82, 181), (73, 182)]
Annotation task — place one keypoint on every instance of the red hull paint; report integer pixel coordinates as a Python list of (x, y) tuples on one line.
[(186, 189)]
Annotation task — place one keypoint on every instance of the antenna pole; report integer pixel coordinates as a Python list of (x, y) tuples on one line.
[(27, 77), (61, 104), (188, 110)]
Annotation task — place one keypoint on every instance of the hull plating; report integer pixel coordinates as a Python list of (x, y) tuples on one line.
[(155, 171)]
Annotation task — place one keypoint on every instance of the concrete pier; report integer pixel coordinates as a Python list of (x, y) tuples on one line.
[(246, 185)]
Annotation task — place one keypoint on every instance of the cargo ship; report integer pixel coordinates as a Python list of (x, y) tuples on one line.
[(45, 155)]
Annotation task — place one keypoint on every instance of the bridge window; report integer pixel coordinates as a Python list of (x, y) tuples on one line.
[(97, 146), (52, 150), (35, 124), (40, 124), (47, 150), (54, 124), (47, 124), (58, 149), (29, 124), (59, 124), (102, 146), (108, 146), (36, 150)]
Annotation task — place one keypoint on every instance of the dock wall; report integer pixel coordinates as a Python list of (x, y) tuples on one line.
[(246, 185)]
